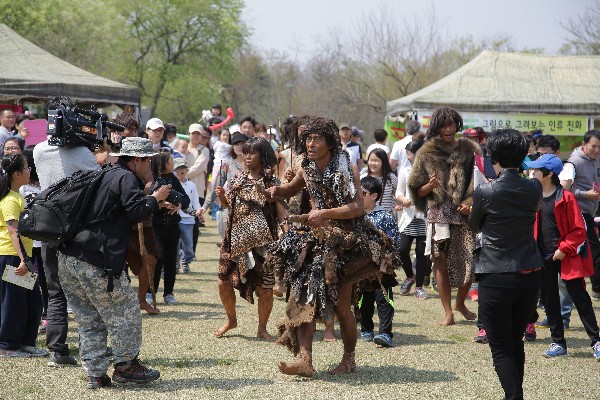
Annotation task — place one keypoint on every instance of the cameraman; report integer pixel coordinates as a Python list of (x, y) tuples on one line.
[(91, 265), (54, 163)]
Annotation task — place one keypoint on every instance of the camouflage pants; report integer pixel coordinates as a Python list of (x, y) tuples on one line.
[(100, 313)]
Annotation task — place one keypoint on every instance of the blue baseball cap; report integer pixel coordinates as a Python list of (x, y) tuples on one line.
[(549, 161)]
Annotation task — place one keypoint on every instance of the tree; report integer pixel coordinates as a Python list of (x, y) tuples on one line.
[(584, 31)]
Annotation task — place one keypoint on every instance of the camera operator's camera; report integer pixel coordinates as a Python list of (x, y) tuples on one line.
[(174, 197)]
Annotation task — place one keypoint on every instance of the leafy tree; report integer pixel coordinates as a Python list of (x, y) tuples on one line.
[(584, 32)]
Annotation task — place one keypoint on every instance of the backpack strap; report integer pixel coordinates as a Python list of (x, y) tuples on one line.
[(26, 258)]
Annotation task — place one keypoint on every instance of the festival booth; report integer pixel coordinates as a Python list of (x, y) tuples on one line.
[(559, 95), (31, 74)]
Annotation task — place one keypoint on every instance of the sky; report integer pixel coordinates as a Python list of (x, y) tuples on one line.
[(290, 25)]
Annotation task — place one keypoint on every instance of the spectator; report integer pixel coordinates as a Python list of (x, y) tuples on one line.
[(379, 167), (13, 145), (21, 309), (507, 260), (398, 156), (166, 227), (7, 124), (186, 225), (22, 131), (155, 129), (129, 122), (351, 147), (247, 127), (380, 136)]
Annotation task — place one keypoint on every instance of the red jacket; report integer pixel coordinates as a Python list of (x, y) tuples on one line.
[(573, 238)]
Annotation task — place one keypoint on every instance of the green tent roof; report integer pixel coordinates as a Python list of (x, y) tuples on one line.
[(513, 82), (29, 72)]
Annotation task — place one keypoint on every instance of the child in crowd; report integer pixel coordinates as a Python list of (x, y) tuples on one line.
[(186, 226), (29, 192), (181, 146), (379, 167), (380, 136), (21, 308), (412, 227), (222, 154), (251, 227), (371, 292), (561, 237)]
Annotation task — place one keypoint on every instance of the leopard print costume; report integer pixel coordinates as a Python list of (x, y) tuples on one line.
[(251, 226)]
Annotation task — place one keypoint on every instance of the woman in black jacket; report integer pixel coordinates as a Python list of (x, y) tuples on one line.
[(166, 226), (507, 260)]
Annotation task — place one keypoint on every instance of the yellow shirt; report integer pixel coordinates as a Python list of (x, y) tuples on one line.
[(10, 208)]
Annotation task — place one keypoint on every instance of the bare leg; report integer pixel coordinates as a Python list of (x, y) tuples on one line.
[(228, 299), (441, 277), (265, 305), (143, 286), (343, 311), (460, 306), (330, 331), (303, 365)]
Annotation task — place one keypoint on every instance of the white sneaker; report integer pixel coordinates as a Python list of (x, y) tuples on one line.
[(170, 300)]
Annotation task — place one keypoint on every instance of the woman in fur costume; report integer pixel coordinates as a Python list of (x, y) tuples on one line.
[(251, 226), (336, 247), (441, 184)]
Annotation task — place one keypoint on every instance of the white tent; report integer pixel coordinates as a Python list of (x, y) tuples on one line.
[(513, 83)]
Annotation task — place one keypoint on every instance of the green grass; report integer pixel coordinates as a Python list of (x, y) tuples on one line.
[(427, 362)]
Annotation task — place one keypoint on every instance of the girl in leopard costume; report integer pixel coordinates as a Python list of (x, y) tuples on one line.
[(251, 226)]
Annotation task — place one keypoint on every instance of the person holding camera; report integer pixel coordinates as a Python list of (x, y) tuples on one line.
[(166, 224), (91, 264)]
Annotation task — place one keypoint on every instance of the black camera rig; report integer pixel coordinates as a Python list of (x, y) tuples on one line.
[(71, 126)]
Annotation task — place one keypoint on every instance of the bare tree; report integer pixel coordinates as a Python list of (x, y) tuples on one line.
[(584, 31)]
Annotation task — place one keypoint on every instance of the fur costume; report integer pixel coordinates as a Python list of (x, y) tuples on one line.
[(452, 167)]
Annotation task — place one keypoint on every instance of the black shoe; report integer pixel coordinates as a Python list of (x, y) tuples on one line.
[(134, 371), (95, 382), (60, 360)]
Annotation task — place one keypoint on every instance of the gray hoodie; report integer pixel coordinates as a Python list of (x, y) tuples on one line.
[(587, 171)]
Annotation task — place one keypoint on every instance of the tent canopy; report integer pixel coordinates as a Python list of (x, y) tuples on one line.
[(29, 72), (513, 83)]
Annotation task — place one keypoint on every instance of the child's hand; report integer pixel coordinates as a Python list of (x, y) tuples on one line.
[(21, 269)]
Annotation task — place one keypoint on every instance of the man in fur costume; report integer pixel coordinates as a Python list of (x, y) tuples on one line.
[(441, 184), (335, 248)]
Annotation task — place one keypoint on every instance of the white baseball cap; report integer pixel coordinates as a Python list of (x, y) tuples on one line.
[(195, 128), (154, 123)]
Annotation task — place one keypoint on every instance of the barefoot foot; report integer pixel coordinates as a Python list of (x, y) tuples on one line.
[(329, 337), (469, 316), (346, 366), (265, 335), (227, 326), (447, 321), (300, 367), (148, 308)]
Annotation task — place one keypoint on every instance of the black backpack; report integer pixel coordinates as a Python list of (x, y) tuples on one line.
[(55, 214)]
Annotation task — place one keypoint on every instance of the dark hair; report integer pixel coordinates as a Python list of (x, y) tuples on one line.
[(386, 168), (20, 142), (414, 145), (33, 176), (260, 127), (214, 121), (20, 118), (128, 121), (412, 127), (261, 146), (249, 119), (443, 116), (372, 185), (228, 138), (159, 163), (10, 165), (508, 147), (380, 135), (589, 134), (554, 179), (548, 141), (324, 127)]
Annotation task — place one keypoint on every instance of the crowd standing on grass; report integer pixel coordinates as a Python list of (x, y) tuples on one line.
[(298, 220)]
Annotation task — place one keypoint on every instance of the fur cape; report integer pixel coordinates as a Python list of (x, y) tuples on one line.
[(452, 167)]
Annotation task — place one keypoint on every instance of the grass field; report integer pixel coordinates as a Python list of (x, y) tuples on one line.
[(427, 362)]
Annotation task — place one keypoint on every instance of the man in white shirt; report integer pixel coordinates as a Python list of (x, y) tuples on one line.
[(398, 158), (351, 147), (7, 122)]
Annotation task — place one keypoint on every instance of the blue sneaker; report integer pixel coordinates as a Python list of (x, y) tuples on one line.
[(596, 350), (542, 324), (384, 340), (367, 336), (555, 350)]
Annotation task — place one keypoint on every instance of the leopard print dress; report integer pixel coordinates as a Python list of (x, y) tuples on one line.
[(251, 226), (314, 262)]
